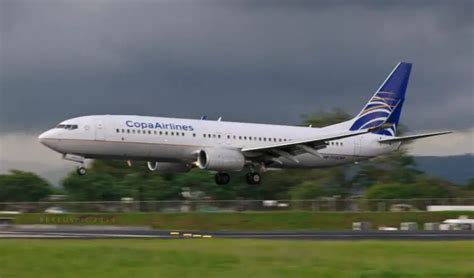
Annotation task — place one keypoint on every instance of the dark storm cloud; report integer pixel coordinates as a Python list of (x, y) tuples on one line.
[(266, 61)]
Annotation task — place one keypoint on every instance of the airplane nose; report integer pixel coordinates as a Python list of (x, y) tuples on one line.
[(44, 136), (47, 139)]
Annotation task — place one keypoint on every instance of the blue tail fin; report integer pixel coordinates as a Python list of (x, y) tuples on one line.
[(386, 104)]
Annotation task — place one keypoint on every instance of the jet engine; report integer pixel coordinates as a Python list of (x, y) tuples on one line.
[(220, 159), (168, 167)]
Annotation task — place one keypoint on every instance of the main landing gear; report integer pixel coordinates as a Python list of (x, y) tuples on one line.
[(253, 178), (222, 178)]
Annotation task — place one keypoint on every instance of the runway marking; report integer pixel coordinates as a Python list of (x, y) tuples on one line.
[(343, 235)]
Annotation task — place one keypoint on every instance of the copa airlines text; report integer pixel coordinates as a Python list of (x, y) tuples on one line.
[(178, 145)]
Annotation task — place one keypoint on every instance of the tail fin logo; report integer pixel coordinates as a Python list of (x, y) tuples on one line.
[(385, 105)]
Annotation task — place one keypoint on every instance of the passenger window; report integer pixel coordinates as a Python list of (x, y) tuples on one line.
[(123, 131), (154, 132), (194, 134), (133, 130), (240, 137), (182, 133), (149, 131), (172, 133), (117, 130), (161, 132), (166, 132), (245, 137), (218, 136), (128, 130), (204, 135)]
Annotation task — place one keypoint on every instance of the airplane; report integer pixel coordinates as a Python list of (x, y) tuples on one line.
[(178, 145)]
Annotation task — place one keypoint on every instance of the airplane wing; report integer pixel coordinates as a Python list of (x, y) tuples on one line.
[(412, 137), (290, 149)]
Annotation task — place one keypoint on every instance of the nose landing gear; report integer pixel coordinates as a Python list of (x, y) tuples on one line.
[(81, 171)]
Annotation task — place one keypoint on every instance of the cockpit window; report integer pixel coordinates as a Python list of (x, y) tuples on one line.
[(69, 127)]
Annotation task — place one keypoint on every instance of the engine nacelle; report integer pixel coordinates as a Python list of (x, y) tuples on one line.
[(168, 167), (220, 159)]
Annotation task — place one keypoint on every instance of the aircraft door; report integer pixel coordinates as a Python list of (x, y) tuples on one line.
[(357, 145), (99, 129)]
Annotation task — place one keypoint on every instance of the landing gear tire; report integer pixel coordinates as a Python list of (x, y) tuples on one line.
[(253, 178), (222, 178), (81, 171)]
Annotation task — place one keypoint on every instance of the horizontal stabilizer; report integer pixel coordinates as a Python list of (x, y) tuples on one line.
[(412, 137)]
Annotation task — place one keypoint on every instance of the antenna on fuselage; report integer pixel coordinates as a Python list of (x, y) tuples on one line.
[(204, 117), (220, 118)]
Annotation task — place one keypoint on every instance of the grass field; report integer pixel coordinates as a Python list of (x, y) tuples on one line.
[(234, 258), (263, 221)]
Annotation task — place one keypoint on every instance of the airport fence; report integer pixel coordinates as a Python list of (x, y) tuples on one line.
[(317, 205)]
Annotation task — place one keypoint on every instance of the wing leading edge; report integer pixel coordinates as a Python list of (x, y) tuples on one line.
[(313, 141)]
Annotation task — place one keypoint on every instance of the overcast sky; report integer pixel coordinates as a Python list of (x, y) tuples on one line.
[(259, 61)]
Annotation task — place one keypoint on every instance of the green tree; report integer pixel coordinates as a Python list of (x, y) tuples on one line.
[(397, 167), (325, 118), (470, 184), (19, 186), (422, 187)]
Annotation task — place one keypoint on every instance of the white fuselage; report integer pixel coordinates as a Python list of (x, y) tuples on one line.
[(161, 139)]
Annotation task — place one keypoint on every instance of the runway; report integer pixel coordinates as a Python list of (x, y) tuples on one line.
[(122, 233)]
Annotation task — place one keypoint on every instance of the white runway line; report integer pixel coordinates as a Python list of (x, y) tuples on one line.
[(74, 235)]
